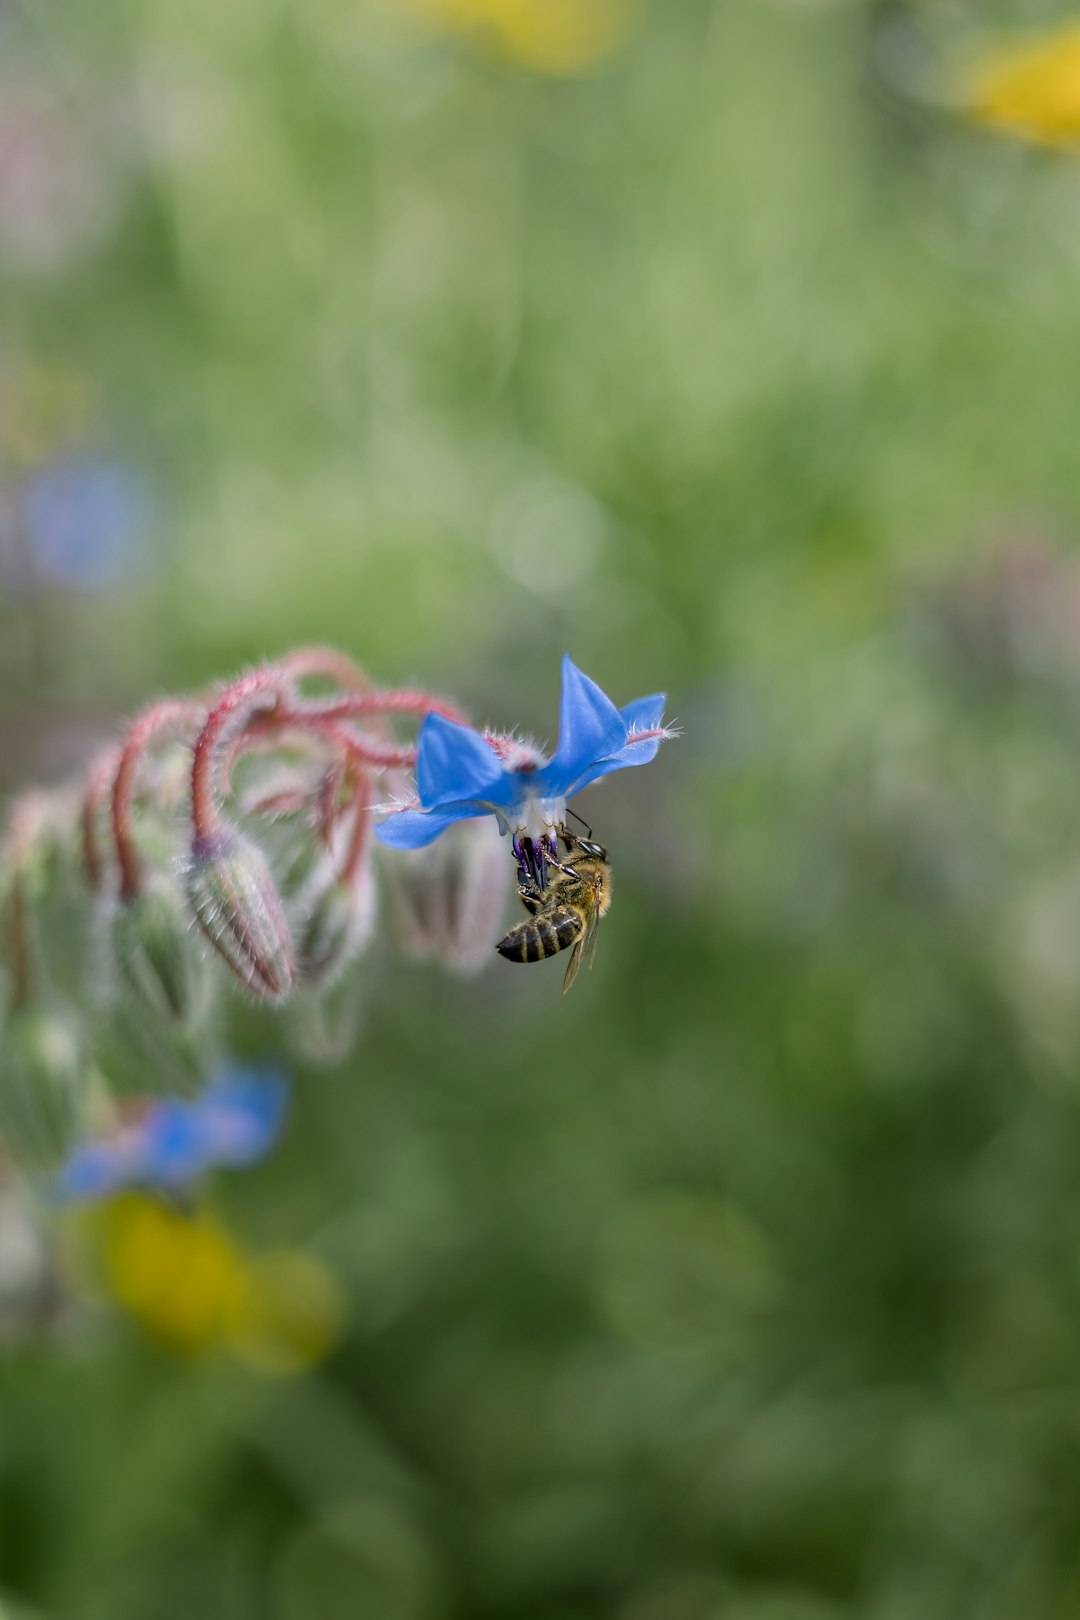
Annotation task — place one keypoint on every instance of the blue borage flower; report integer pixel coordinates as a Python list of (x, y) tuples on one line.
[(461, 772), (86, 519), (236, 1120)]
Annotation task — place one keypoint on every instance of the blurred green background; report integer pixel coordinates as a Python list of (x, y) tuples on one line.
[(713, 343)]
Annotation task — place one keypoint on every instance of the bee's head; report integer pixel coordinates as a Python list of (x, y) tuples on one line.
[(593, 849)]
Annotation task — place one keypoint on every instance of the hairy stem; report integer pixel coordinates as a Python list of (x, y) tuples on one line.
[(327, 663), (100, 775), (358, 759), (361, 827), (260, 689), (172, 713), (358, 705)]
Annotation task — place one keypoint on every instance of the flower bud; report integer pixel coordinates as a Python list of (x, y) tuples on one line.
[(323, 1023), (448, 897), (234, 897), (142, 1055), (339, 921), (43, 1088), (153, 952)]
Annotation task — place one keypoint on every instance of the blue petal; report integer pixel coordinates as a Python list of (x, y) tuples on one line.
[(175, 1147), (590, 728), (243, 1113), (645, 713), (452, 762), (640, 754), (93, 1169), (635, 753), (412, 829), (236, 1120)]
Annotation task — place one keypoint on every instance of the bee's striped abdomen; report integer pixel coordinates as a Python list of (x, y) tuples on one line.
[(558, 928), (549, 932)]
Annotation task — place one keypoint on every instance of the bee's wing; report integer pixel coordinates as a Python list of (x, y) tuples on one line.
[(585, 946), (577, 956), (593, 936)]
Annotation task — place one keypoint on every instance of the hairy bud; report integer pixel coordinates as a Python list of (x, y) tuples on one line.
[(142, 1054), (323, 1023), (153, 952), (448, 898), (43, 1086), (339, 921), (236, 902)]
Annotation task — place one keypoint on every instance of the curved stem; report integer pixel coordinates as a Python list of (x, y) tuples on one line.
[(361, 828), (100, 775), (405, 701), (265, 690), (360, 782), (281, 709), (265, 732), (380, 755), (332, 665), (261, 686), (402, 756), (150, 724), (327, 663)]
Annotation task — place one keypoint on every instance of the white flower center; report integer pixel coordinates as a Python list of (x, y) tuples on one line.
[(532, 817)]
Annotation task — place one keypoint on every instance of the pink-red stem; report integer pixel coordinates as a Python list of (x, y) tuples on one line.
[(327, 663), (356, 705), (260, 683), (266, 692), (361, 828), (360, 782), (101, 774), (379, 755), (149, 725)]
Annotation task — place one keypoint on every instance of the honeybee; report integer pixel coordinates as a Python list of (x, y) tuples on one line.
[(566, 909)]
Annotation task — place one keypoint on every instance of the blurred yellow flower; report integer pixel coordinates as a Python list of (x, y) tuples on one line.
[(187, 1280), (552, 36), (286, 1313), (175, 1272), (1030, 87)]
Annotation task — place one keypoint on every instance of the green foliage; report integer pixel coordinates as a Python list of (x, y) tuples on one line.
[(745, 1281)]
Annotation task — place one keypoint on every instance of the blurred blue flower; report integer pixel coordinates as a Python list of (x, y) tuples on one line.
[(85, 518), (461, 773), (236, 1121)]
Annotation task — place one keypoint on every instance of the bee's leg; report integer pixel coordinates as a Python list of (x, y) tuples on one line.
[(530, 896), (561, 866)]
